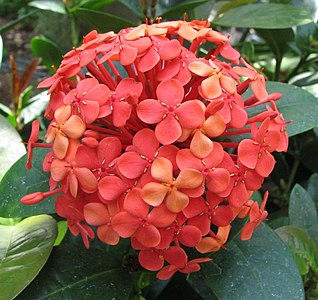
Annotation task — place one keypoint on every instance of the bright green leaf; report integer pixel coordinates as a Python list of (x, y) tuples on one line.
[(51, 5), (264, 15), (47, 50), (261, 268), (11, 147), (312, 188), (232, 4), (24, 249), (61, 232), (19, 182), (303, 248), (103, 21), (77, 273), (296, 104), (302, 212)]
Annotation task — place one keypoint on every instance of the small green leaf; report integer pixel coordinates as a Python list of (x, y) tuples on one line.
[(24, 249), (103, 21), (302, 212), (296, 104), (19, 182), (62, 230), (261, 268), (51, 5), (264, 15), (306, 36), (78, 273), (11, 147), (47, 50), (301, 246), (312, 188)]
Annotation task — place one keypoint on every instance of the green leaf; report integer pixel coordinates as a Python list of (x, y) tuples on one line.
[(264, 15), (302, 212), (103, 21), (19, 182), (304, 79), (312, 188), (277, 40), (51, 5), (296, 104), (134, 6), (301, 246), (77, 273), (92, 4), (16, 21), (278, 222), (11, 147), (47, 50), (1, 50), (24, 249), (169, 9), (62, 230), (36, 107), (261, 268), (232, 4), (308, 155), (306, 36)]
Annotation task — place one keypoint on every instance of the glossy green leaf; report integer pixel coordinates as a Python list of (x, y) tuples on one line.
[(24, 249), (303, 248), (304, 79), (264, 15), (47, 50), (312, 188), (261, 268), (296, 104), (302, 212), (169, 9), (77, 273), (11, 147), (19, 182), (50, 5), (103, 21), (232, 4)]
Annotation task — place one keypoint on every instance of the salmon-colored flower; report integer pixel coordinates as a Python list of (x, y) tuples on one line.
[(169, 189), (153, 143)]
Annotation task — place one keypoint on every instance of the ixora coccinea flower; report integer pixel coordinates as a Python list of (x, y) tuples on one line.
[(141, 142)]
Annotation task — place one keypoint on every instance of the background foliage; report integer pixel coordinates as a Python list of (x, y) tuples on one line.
[(279, 262)]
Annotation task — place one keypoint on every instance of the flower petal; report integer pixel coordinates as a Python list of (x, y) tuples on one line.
[(154, 193), (170, 92)]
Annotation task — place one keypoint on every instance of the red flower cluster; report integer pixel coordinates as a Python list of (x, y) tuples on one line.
[(139, 136)]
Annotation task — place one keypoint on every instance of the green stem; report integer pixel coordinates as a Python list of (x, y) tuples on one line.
[(292, 176), (277, 68), (74, 29)]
